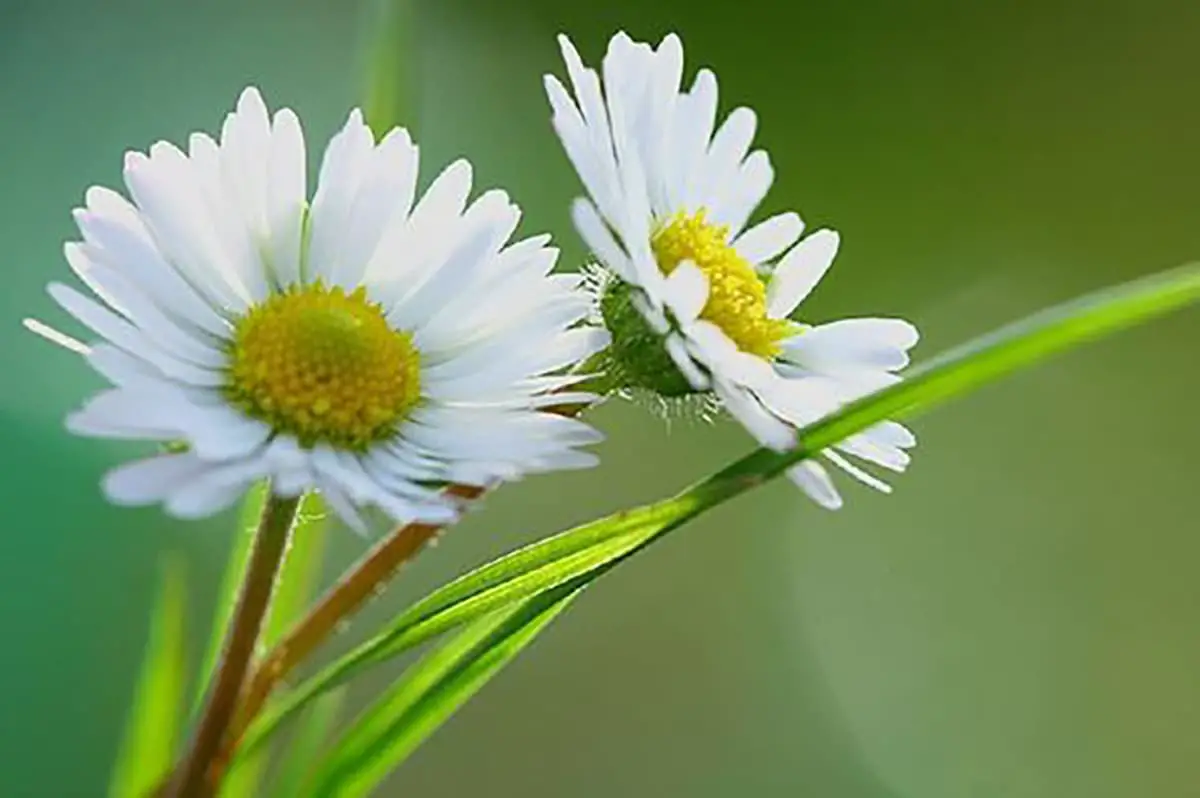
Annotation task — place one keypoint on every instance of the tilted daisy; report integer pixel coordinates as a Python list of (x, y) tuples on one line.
[(374, 346), (697, 303)]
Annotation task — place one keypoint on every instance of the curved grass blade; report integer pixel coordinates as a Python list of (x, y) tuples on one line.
[(585, 552), (429, 692), (156, 718), (518, 575)]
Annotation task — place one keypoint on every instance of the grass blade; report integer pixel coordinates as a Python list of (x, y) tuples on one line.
[(542, 566), (429, 693), (156, 718), (587, 551)]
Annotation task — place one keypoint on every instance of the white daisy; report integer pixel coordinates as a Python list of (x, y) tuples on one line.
[(374, 346), (698, 302)]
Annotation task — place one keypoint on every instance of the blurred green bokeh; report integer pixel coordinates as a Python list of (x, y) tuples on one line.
[(1019, 620)]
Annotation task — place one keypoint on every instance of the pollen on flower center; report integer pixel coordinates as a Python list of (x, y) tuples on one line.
[(323, 365), (737, 298)]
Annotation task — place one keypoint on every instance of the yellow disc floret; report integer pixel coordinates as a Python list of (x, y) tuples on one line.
[(737, 298), (323, 365)]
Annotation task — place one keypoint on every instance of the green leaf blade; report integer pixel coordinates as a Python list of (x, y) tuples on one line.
[(579, 556), (542, 566), (156, 718), (429, 693), (1016, 346)]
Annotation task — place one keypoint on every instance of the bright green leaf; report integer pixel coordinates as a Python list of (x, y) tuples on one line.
[(156, 718), (541, 566), (587, 551), (429, 692)]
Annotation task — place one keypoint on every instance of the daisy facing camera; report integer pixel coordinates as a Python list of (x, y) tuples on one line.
[(375, 345)]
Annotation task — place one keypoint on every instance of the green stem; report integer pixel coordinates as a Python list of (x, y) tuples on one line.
[(270, 544)]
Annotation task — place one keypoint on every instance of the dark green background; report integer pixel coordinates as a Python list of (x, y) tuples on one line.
[(1019, 620)]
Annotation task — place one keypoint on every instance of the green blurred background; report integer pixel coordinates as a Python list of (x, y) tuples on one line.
[(1020, 619)]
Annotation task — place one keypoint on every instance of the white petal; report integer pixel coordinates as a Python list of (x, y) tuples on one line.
[(287, 193), (182, 340), (890, 433), (686, 292), (747, 190), (874, 450), (220, 432), (766, 428), (695, 115), (215, 489), (381, 205), (853, 345), (344, 168), (768, 239), (284, 453), (55, 337), (713, 348), (600, 240), (173, 207), (564, 460), (725, 156), (149, 481), (677, 349), (814, 480), (408, 259), (868, 479), (484, 231), (651, 308), (800, 271), (121, 368), (115, 235), (341, 505)]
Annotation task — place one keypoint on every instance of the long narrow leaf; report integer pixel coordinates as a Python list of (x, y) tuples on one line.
[(429, 693), (156, 718), (542, 566), (587, 550)]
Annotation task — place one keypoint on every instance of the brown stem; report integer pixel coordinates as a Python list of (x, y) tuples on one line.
[(345, 597), (270, 543)]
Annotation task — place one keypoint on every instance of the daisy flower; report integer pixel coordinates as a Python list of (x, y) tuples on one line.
[(374, 345), (696, 301)]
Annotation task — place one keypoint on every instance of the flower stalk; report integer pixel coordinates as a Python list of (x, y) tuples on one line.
[(345, 597), (270, 545)]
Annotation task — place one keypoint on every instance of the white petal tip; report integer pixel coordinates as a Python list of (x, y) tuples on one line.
[(55, 337)]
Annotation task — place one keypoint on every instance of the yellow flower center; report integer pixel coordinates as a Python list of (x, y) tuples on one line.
[(737, 298), (323, 365)]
